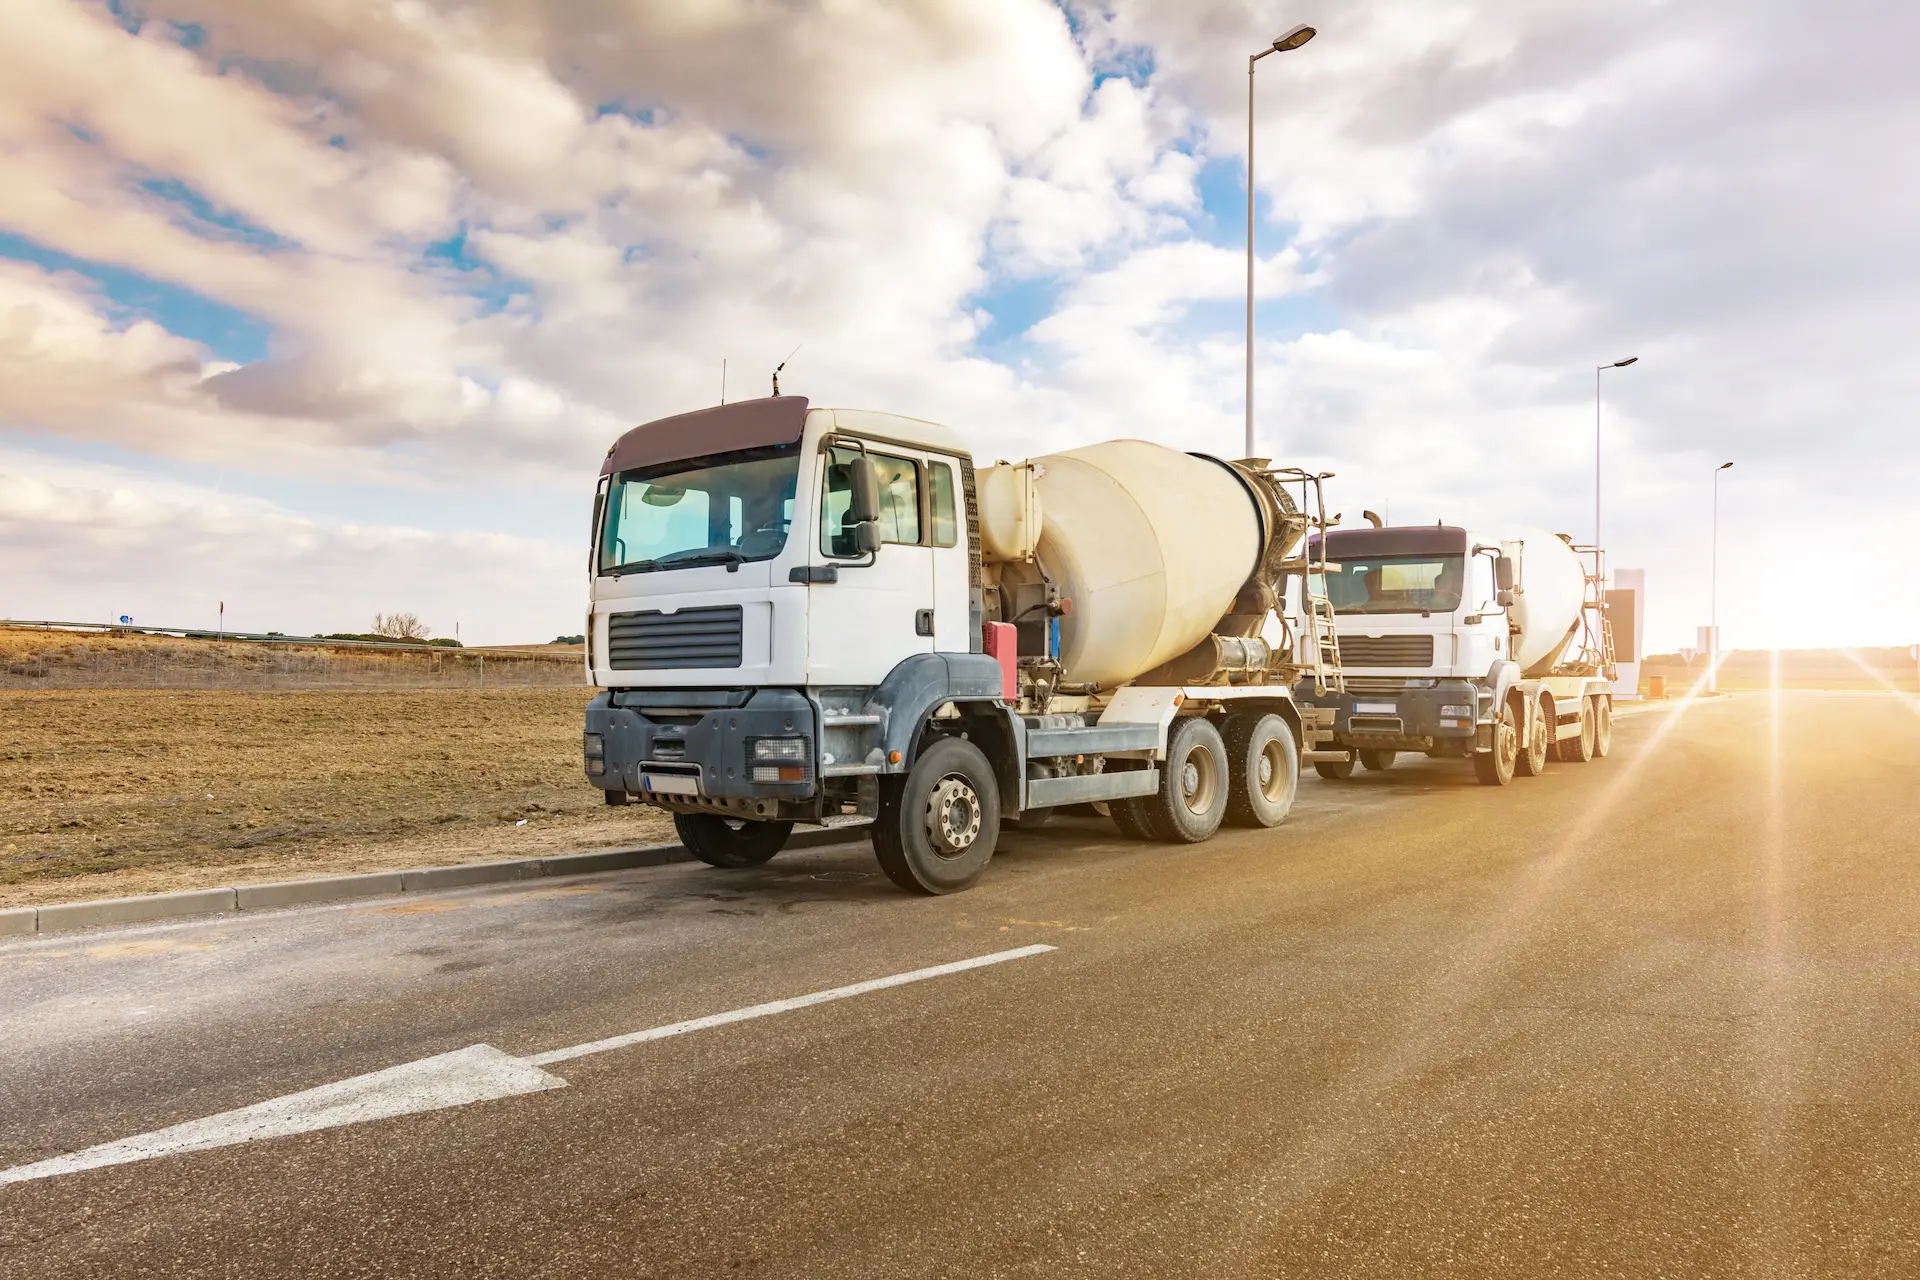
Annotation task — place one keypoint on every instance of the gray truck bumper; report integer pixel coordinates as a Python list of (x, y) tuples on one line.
[(693, 750)]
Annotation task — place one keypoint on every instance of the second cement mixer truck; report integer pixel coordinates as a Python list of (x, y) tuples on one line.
[(809, 615), (1486, 645)]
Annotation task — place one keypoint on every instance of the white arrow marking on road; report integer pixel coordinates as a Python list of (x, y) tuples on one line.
[(478, 1073)]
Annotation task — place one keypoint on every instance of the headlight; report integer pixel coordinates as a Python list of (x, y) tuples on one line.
[(596, 768), (1457, 712), (595, 746), (779, 759)]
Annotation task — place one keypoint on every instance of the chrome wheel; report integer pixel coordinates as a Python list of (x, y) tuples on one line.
[(1273, 776), (953, 816)]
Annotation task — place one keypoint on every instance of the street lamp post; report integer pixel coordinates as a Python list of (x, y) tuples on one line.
[(1598, 370), (1291, 40), (1713, 591)]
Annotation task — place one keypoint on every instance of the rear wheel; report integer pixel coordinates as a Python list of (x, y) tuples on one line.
[(1265, 769), (1602, 723), (937, 825), (1533, 756), (1032, 819), (1335, 770), (730, 842), (1377, 761), (1578, 750), (1192, 799), (1126, 815)]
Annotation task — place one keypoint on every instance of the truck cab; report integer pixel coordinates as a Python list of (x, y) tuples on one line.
[(1432, 621)]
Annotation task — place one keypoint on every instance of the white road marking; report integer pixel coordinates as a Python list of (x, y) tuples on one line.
[(474, 1074), (781, 1006), (478, 1073)]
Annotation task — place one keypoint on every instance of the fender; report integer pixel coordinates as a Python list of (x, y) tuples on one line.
[(1505, 674), (917, 687)]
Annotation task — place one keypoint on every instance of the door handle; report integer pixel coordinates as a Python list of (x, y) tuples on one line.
[(923, 622)]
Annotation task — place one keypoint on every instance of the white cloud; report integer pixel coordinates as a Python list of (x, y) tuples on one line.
[(1477, 201)]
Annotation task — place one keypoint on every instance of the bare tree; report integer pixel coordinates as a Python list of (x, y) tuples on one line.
[(400, 626)]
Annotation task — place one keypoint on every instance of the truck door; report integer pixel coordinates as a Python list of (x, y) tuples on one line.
[(862, 625), (952, 572)]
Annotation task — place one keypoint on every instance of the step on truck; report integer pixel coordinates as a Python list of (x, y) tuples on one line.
[(825, 616), (1488, 646)]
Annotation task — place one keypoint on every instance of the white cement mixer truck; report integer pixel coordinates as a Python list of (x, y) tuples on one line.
[(1485, 645), (826, 616)]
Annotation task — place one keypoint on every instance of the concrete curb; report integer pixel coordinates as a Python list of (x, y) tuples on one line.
[(27, 921)]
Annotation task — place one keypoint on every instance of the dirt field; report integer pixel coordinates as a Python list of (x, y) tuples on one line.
[(43, 659), (105, 794)]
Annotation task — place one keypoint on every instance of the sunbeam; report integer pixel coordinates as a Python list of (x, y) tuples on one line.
[(1342, 1141)]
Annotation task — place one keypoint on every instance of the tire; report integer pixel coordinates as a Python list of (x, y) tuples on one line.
[(1578, 750), (1192, 800), (731, 843), (1126, 815), (1602, 723), (1377, 761), (1031, 819), (1263, 765), (1534, 755), (1335, 770), (1495, 768), (937, 826)]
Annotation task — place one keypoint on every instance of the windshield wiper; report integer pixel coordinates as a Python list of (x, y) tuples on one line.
[(637, 566), (704, 555)]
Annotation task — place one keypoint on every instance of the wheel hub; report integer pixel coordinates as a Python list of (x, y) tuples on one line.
[(953, 817)]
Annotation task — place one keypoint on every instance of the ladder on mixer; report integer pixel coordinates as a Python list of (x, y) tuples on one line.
[(1323, 640)]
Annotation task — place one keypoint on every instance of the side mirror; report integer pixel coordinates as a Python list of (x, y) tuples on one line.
[(864, 508), (1503, 598), (1503, 575), (866, 537)]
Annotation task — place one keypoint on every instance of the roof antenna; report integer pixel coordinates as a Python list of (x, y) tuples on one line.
[(783, 364), (723, 379)]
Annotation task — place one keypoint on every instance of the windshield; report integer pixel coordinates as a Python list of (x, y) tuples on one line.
[(712, 510), (1396, 584)]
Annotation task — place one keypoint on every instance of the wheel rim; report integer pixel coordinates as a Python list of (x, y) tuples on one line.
[(1508, 748), (1272, 772), (953, 816), (1199, 781)]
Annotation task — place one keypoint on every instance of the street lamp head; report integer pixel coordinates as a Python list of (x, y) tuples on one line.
[(1294, 38), (1621, 364), (1723, 466)]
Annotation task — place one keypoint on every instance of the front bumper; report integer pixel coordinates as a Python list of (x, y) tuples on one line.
[(692, 749), (1403, 718)]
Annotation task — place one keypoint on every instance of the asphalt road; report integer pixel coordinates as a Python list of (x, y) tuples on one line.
[(1653, 1016)]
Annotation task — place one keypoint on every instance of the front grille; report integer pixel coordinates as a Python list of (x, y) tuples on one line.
[(656, 641), (1386, 651), (1376, 684)]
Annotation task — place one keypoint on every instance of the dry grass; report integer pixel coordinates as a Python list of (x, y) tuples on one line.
[(104, 794), (36, 659)]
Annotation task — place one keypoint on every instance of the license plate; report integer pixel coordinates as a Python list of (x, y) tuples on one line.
[(1376, 708), (670, 784)]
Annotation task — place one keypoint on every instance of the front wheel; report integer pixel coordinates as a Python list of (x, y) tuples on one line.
[(1495, 768), (1335, 770), (731, 843), (1264, 769), (938, 824), (1533, 756)]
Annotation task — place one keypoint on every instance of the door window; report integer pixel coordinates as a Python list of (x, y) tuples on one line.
[(946, 530), (899, 484)]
